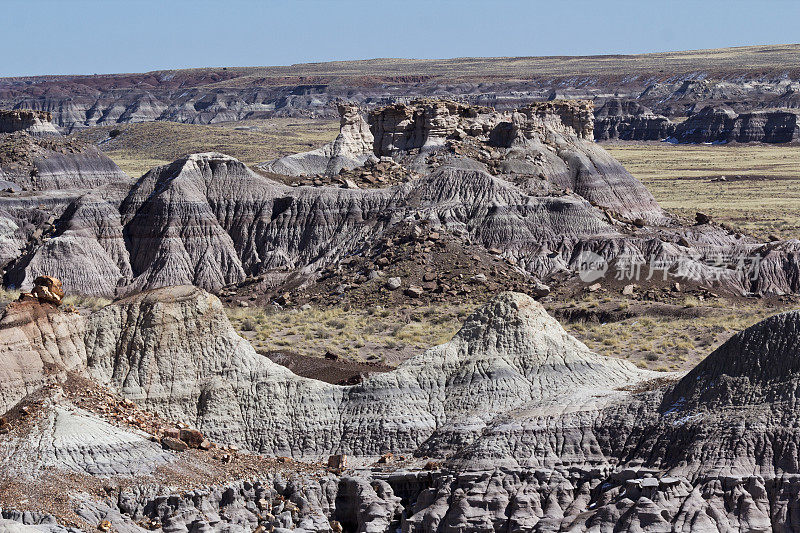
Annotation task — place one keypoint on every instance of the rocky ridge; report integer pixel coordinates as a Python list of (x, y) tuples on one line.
[(628, 120), (721, 124)]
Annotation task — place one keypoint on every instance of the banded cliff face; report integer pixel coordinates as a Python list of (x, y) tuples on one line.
[(722, 124), (628, 120), (39, 163), (38, 341)]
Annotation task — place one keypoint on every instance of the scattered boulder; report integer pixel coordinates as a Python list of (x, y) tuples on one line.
[(192, 437), (629, 290), (393, 283), (539, 290), (173, 444), (48, 289), (702, 218), (433, 465), (414, 291), (386, 458), (337, 462)]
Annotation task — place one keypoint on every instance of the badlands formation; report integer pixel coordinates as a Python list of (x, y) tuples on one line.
[(530, 186), (152, 413), (513, 425)]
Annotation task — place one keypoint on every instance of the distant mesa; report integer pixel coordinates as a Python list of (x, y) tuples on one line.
[(721, 124)]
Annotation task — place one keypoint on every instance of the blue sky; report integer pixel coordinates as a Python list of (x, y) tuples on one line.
[(105, 36)]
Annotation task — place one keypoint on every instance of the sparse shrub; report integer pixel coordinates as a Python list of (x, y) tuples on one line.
[(691, 301)]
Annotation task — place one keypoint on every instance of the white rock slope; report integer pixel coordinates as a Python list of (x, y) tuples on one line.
[(508, 355)]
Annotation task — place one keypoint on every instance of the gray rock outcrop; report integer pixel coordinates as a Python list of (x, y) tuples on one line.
[(351, 149), (36, 338), (507, 355), (53, 163), (630, 121), (247, 224), (527, 186), (721, 124)]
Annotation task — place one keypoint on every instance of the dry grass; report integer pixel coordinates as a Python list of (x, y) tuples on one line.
[(761, 194), (84, 304), (141, 146), (90, 303), (373, 334), (666, 342)]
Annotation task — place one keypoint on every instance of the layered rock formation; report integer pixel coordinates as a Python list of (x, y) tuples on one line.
[(35, 123), (208, 220), (37, 341), (526, 184), (536, 432), (630, 121), (42, 163), (507, 355), (721, 124)]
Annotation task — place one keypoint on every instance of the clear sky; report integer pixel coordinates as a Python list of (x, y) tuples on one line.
[(108, 36)]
